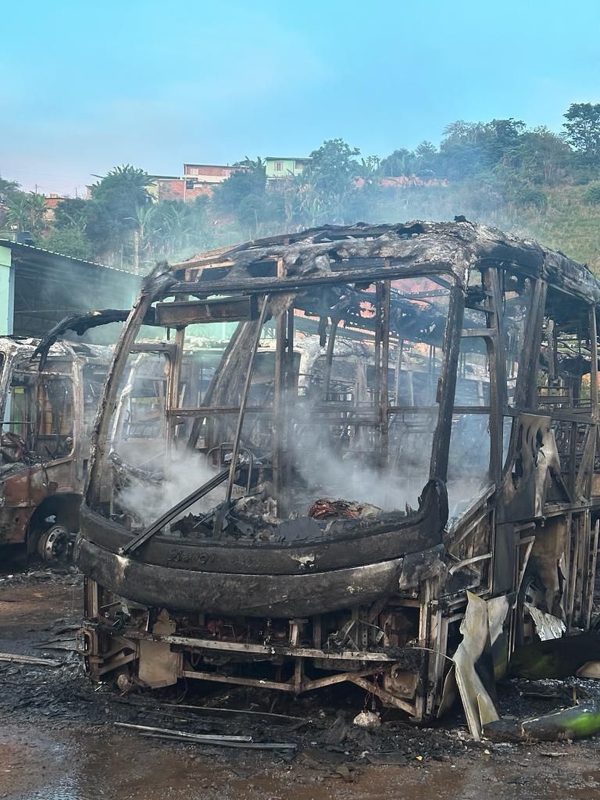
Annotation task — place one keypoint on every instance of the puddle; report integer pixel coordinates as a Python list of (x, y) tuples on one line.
[(92, 763), (79, 766)]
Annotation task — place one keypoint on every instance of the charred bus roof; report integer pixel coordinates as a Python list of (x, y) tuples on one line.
[(340, 253)]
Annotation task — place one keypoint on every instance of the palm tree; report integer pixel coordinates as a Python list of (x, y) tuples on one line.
[(127, 184), (26, 212), (117, 198), (145, 216)]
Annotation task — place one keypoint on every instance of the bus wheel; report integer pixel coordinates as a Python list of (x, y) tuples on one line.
[(53, 544)]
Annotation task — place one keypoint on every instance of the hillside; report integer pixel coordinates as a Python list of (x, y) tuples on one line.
[(569, 223), (531, 181), (566, 221)]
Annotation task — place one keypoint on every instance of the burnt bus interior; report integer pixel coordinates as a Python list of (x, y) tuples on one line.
[(47, 416), (402, 427), (40, 407), (39, 404)]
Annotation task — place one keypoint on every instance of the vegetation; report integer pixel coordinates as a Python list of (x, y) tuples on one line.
[(529, 180)]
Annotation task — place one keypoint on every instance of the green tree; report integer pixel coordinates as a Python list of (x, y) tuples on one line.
[(70, 242), (426, 158), (501, 137), (173, 229), (541, 157), (329, 180), (400, 162), (26, 212), (8, 189), (471, 149), (461, 153), (369, 167), (176, 226), (72, 212), (146, 225), (68, 234), (113, 213), (124, 189), (243, 196), (583, 130)]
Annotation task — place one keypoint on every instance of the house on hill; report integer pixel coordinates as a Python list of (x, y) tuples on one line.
[(278, 168)]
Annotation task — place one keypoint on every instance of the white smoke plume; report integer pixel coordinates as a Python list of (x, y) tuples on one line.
[(351, 473), (182, 473)]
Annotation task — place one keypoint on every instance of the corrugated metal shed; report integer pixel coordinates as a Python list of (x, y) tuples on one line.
[(47, 286)]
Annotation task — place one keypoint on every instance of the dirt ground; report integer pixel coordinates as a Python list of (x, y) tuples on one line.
[(59, 740)]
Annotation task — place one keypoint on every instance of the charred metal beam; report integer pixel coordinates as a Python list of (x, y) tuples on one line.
[(79, 324), (447, 386), (158, 280), (190, 312), (384, 397), (594, 362), (497, 362), (244, 399), (297, 283), (329, 356), (250, 648)]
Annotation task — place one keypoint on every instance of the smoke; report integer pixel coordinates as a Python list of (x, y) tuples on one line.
[(324, 456), (327, 472), (180, 475), (468, 461), (325, 469), (88, 287), (331, 476), (342, 462), (324, 465), (478, 200)]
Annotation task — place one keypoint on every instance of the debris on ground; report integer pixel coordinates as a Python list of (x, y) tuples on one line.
[(15, 658), (556, 658), (322, 743), (577, 722), (216, 740), (367, 719)]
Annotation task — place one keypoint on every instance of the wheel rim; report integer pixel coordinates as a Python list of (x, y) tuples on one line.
[(53, 543)]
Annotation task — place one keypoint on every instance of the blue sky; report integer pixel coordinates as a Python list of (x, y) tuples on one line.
[(88, 84)]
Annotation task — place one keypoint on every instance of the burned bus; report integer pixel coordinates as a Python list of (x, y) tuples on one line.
[(390, 468), (47, 413)]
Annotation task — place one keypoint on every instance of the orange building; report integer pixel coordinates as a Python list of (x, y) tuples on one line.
[(198, 180)]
